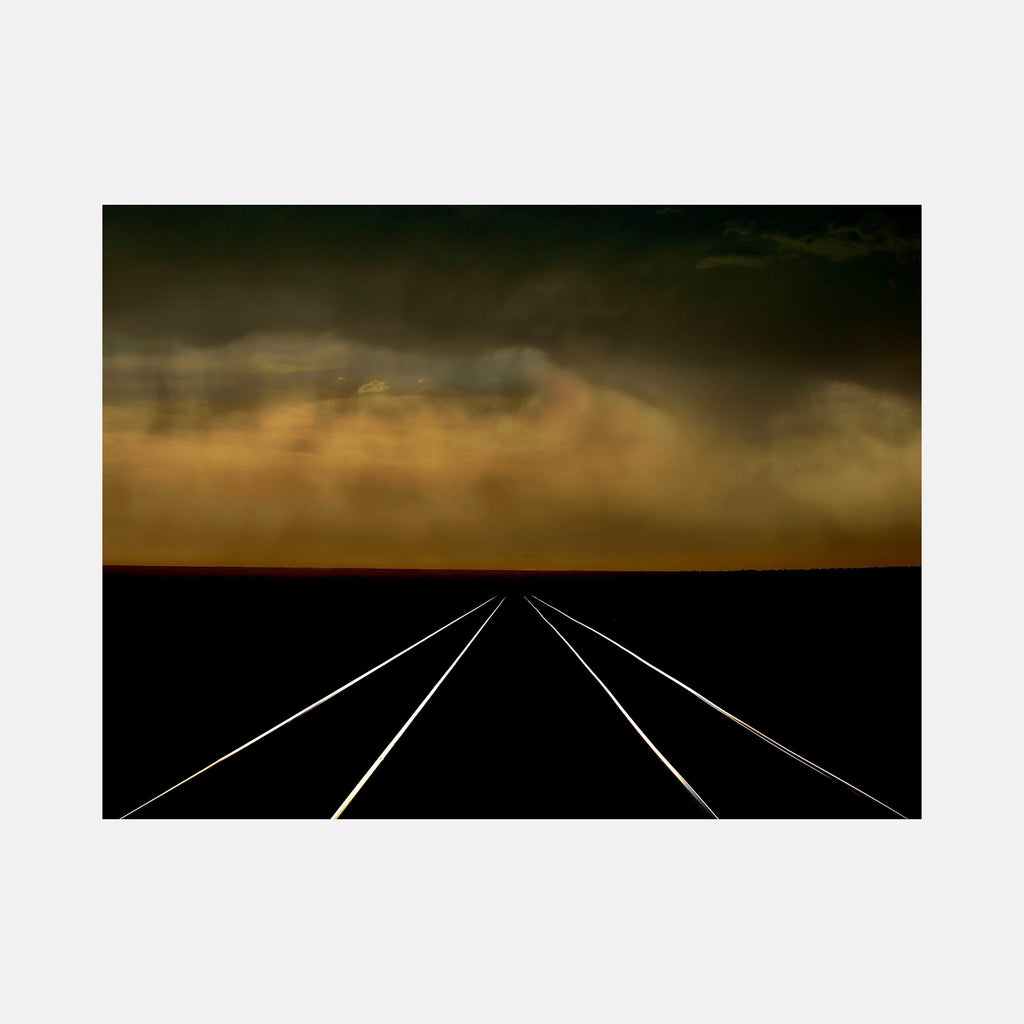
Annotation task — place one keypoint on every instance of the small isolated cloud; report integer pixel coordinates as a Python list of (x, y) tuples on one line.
[(373, 387), (732, 260), (839, 244)]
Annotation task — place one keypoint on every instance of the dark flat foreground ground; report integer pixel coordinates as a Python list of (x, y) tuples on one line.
[(826, 662)]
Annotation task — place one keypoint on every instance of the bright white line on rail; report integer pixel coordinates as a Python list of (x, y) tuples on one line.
[(315, 704), (387, 750), (738, 721), (664, 760)]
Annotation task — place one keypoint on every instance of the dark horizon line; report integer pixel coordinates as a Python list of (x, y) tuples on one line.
[(299, 570)]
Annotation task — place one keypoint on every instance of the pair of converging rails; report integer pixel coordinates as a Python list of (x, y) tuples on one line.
[(387, 750)]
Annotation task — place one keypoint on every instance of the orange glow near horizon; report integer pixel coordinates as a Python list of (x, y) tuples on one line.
[(570, 474)]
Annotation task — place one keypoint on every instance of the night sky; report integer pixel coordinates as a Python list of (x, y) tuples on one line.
[(512, 387)]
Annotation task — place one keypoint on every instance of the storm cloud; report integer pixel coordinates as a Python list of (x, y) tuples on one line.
[(512, 387)]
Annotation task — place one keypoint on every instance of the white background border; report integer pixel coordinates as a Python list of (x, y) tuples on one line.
[(510, 921)]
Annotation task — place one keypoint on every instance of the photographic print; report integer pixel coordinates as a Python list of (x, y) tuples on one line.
[(512, 512)]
